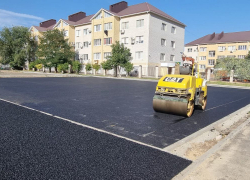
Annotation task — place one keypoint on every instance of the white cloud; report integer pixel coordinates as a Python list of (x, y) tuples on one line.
[(9, 18)]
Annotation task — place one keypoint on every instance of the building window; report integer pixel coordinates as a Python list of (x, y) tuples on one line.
[(78, 45), (221, 48), (108, 26), (125, 40), (231, 48), (163, 27), (140, 23), (202, 66), (211, 62), (202, 58), (231, 56), (138, 55), (203, 49), (190, 49), (97, 27), (107, 14), (163, 42), (220, 57), (139, 39), (66, 33), (173, 30), (99, 16), (107, 41), (173, 44), (242, 47), (125, 25), (85, 57), (85, 44), (162, 57), (85, 31), (77, 33), (97, 42), (211, 54), (241, 56), (97, 56), (107, 54), (172, 57)]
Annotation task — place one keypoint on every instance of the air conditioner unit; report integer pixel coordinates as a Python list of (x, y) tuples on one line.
[(90, 31), (132, 40), (81, 47), (89, 42), (122, 31)]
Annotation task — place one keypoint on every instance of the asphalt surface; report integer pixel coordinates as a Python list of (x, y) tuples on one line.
[(119, 106), (37, 146)]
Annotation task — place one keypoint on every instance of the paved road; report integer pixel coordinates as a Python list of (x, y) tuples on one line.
[(37, 146), (119, 106)]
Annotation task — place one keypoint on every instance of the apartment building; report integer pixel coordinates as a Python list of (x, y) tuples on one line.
[(153, 37), (206, 50), (37, 31)]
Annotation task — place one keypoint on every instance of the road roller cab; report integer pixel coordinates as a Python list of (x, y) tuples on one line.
[(180, 93)]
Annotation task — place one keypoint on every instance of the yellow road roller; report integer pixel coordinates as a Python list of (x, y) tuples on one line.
[(180, 93)]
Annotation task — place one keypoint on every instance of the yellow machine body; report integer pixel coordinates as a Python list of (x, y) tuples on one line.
[(179, 94)]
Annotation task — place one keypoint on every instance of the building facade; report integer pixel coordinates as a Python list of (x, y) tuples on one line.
[(153, 37), (208, 49)]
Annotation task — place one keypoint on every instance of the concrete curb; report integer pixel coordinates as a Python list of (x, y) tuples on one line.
[(240, 113), (211, 151)]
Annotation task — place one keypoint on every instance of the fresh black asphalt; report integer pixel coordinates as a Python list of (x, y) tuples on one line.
[(37, 146), (119, 106)]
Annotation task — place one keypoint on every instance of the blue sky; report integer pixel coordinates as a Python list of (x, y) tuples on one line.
[(202, 17)]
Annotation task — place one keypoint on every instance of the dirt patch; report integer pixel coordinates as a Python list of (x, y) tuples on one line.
[(196, 150)]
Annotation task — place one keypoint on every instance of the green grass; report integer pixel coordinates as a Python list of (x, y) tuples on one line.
[(230, 84)]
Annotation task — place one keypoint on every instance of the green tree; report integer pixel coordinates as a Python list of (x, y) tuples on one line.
[(88, 67), (128, 67), (76, 66), (17, 46), (240, 67), (96, 67), (54, 49), (39, 66), (63, 67), (120, 55), (106, 65)]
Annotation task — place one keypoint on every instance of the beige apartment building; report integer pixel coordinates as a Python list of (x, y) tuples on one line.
[(206, 50), (153, 37)]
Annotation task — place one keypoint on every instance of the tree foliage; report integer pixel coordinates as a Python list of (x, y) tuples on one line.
[(120, 56), (76, 66), (96, 67), (54, 49), (107, 65), (88, 67), (17, 46), (241, 67), (128, 67), (63, 67)]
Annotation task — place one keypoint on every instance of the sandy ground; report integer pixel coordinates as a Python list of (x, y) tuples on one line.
[(230, 162)]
